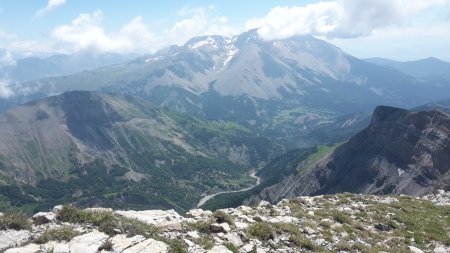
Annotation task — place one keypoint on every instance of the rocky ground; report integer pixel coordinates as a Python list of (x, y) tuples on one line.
[(330, 223)]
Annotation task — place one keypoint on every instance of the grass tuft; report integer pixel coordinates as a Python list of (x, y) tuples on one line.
[(64, 233), (14, 220)]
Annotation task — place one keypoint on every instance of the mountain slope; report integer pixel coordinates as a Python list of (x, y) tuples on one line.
[(34, 67), (429, 68), (442, 105), (115, 150), (400, 152)]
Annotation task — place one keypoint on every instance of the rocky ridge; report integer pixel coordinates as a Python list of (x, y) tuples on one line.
[(400, 152), (327, 223)]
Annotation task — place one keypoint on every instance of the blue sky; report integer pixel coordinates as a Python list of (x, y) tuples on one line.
[(398, 29)]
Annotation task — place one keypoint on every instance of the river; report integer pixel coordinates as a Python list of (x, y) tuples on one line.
[(208, 197)]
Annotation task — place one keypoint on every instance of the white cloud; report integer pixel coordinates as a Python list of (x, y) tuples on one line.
[(87, 33), (339, 18), (402, 43), (7, 59), (51, 5), (198, 21), (18, 47), (5, 89)]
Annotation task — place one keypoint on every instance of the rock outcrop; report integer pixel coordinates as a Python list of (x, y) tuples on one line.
[(401, 152), (329, 223)]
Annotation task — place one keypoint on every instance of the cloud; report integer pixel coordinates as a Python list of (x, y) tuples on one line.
[(87, 33), (339, 18), (199, 21), (402, 43), (5, 89), (51, 5), (16, 47), (7, 59)]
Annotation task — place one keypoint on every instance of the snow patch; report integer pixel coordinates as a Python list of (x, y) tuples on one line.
[(230, 56), (208, 41), (154, 59)]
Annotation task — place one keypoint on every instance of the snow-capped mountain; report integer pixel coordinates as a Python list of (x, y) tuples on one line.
[(301, 81), (246, 65)]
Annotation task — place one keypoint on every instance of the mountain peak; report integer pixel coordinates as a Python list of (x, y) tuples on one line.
[(250, 35), (207, 40), (383, 113)]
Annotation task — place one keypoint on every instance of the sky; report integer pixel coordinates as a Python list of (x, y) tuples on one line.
[(397, 29)]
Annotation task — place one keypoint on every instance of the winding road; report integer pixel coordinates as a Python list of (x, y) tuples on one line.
[(208, 197)]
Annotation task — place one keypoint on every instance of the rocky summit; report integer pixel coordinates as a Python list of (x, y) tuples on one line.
[(327, 223)]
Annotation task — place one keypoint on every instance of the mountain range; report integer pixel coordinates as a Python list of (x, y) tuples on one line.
[(426, 69), (35, 67), (297, 90), (165, 130)]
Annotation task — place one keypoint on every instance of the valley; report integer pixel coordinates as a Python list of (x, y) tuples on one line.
[(101, 149), (210, 196)]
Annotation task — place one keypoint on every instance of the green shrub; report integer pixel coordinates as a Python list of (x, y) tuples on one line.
[(14, 220), (107, 222), (201, 226), (175, 245), (343, 246), (304, 243), (287, 228), (222, 217), (134, 227), (205, 241), (71, 214), (231, 247), (261, 230), (342, 217), (107, 246), (64, 233)]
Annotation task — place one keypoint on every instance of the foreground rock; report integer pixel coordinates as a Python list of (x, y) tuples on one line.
[(11, 238), (330, 223), (158, 218), (87, 243)]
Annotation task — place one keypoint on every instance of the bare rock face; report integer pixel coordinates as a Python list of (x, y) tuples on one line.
[(43, 217), (400, 152), (149, 245), (11, 238), (122, 242), (88, 243), (220, 227), (158, 218), (219, 249), (31, 248), (440, 198)]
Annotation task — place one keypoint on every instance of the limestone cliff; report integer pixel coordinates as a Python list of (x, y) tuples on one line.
[(399, 152)]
